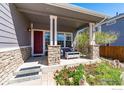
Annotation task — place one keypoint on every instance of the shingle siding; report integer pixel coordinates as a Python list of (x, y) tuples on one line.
[(13, 27), (5, 9), (117, 27), (7, 30)]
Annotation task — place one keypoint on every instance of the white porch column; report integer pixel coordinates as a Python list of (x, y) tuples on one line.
[(32, 40), (94, 30), (51, 30), (91, 33), (55, 30), (99, 28)]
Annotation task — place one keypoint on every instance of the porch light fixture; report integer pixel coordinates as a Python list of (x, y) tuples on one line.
[(29, 29)]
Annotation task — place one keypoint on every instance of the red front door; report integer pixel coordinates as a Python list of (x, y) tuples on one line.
[(38, 42)]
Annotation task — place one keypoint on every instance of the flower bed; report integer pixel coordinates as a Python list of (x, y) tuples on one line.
[(95, 74), (69, 76)]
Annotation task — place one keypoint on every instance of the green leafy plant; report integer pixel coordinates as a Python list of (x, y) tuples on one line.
[(69, 76), (105, 37)]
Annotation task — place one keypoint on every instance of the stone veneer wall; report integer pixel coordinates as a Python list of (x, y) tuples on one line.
[(53, 54), (94, 51), (9, 62)]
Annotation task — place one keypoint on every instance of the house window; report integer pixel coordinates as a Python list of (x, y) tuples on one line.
[(60, 39), (47, 39), (63, 39), (68, 40)]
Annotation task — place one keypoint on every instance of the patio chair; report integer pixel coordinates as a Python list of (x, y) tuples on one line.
[(65, 49), (69, 53), (73, 54)]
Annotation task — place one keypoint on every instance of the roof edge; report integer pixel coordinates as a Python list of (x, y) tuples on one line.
[(78, 9), (113, 18)]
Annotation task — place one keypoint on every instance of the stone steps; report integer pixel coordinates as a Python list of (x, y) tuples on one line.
[(23, 79), (26, 74), (28, 70)]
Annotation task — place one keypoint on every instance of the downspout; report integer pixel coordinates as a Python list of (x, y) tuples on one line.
[(80, 31)]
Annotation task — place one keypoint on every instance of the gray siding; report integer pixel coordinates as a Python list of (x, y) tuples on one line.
[(117, 27), (13, 27)]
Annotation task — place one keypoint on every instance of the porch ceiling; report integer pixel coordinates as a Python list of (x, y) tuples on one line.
[(68, 16), (40, 20)]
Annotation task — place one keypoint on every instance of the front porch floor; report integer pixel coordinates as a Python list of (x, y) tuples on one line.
[(43, 61)]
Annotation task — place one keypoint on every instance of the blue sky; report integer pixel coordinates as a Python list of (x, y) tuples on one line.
[(105, 8)]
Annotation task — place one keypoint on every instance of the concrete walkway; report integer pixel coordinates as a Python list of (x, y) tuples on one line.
[(37, 82)]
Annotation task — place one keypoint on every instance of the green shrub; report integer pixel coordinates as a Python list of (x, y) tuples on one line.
[(82, 40), (69, 76), (103, 74)]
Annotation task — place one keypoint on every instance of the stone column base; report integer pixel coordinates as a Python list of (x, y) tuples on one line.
[(53, 54), (94, 52), (10, 61)]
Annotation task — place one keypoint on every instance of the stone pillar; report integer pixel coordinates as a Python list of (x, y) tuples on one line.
[(94, 52), (53, 54)]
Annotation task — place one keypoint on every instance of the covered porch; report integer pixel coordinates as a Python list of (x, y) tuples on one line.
[(53, 26)]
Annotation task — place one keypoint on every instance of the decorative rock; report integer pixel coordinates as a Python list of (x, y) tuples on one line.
[(83, 81), (116, 63)]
